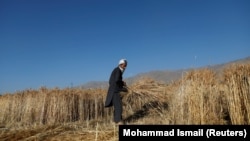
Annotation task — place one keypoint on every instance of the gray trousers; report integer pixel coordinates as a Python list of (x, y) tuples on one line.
[(117, 101)]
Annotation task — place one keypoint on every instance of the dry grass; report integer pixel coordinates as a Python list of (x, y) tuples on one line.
[(53, 106), (199, 97), (237, 82)]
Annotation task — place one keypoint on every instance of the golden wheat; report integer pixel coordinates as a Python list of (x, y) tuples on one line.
[(201, 96)]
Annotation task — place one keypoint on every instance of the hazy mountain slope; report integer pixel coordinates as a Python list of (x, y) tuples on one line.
[(165, 75)]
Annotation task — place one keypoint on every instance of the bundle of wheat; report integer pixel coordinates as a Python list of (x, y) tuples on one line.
[(143, 96)]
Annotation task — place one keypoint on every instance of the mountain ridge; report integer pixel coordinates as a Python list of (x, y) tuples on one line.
[(165, 76)]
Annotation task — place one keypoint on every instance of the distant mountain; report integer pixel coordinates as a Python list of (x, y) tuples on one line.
[(161, 75), (165, 75), (95, 84), (220, 67)]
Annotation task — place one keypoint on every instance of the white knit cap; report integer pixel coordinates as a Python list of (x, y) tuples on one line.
[(122, 61)]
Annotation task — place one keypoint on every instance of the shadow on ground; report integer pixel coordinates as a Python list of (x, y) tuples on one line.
[(145, 110)]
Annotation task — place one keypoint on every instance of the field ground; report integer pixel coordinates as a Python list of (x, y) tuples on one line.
[(68, 132)]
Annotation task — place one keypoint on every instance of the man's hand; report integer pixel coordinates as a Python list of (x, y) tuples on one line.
[(124, 83)]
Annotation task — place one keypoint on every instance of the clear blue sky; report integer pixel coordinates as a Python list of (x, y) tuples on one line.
[(60, 43)]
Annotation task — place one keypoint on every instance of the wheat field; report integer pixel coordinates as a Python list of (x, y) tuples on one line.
[(200, 97)]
